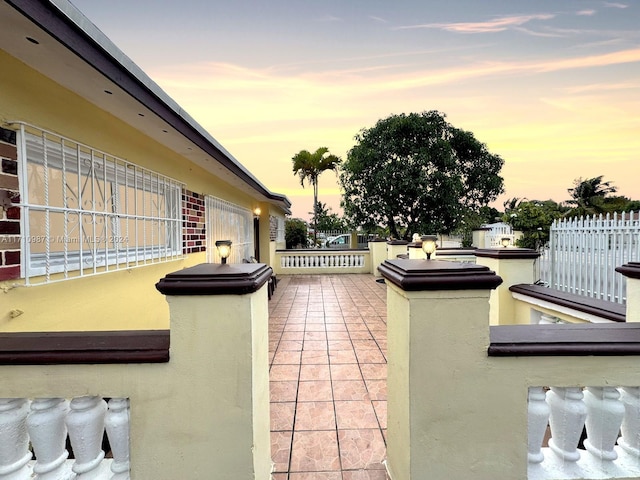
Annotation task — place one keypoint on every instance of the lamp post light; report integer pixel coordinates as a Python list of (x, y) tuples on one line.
[(429, 245), (505, 241), (224, 249)]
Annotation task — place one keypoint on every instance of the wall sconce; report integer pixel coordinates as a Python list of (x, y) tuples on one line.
[(256, 213), (429, 245), (224, 249), (505, 241)]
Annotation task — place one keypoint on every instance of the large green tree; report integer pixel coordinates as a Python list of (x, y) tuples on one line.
[(416, 173), (588, 196), (309, 166)]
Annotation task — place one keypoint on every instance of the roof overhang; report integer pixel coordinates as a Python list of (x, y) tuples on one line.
[(77, 55)]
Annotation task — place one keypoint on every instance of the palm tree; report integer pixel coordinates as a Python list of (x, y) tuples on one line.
[(309, 166), (587, 195)]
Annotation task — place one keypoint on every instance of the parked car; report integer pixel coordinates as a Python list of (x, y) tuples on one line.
[(340, 241)]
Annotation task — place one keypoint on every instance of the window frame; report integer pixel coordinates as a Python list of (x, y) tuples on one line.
[(113, 246)]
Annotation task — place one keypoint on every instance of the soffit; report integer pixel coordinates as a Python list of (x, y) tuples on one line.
[(134, 98)]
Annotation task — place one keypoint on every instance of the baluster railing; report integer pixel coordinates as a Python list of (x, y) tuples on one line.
[(14, 439), (117, 425), (45, 423), (605, 413), (568, 414), (538, 418), (48, 433)]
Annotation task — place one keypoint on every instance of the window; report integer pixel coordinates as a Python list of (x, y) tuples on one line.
[(87, 212), (227, 221)]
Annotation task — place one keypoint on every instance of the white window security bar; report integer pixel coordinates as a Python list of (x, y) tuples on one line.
[(228, 221), (86, 212)]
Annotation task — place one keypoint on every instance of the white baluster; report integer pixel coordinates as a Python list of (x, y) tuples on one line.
[(86, 430), (341, 260), (568, 414), (14, 439), (117, 424), (604, 417), (630, 439), (537, 420), (48, 434)]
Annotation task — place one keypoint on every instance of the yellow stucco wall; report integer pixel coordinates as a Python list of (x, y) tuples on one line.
[(203, 415), (111, 301), (453, 411)]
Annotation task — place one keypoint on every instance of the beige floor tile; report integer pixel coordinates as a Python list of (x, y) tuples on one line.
[(315, 451)]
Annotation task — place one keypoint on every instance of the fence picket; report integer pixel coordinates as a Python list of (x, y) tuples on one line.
[(584, 252)]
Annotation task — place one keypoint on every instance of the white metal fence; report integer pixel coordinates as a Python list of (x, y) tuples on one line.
[(584, 252), (227, 221)]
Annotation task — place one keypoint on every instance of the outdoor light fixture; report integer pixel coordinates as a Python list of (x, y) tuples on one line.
[(505, 241), (224, 249), (256, 212), (429, 245)]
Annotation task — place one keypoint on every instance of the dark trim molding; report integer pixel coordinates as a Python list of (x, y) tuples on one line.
[(630, 270), (58, 348), (562, 340), (417, 275), (216, 279), (600, 308), (507, 253), (397, 242)]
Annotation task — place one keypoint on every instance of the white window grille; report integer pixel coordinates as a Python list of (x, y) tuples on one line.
[(280, 237), (227, 221), (87, 212)]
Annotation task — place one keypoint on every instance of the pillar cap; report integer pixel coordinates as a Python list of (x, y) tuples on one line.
[(216, 279), (509, 253), (397, 242), (418, 275), (631, 270)]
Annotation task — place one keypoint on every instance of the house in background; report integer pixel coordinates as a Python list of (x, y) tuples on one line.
[(106, 184)]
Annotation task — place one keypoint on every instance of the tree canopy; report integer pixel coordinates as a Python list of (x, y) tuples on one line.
[(309, 166), (416, 173), (588, 196)]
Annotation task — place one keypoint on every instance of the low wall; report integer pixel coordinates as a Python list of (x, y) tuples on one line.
[(316, 262)]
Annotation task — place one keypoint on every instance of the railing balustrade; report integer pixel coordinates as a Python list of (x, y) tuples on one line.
[(594, 432), (39, 428), (322, 261)]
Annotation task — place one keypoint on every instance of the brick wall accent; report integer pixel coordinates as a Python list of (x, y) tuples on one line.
[(194, 231), (9, 214)]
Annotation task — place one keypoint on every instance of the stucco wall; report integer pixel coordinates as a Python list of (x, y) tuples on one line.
[(112, 301)]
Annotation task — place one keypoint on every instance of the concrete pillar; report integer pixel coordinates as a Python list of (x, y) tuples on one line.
[(632, 272), (219, 349), (378, 252), (415, 251), (395, 248), (515, 266), (437, 313), (479, 237)]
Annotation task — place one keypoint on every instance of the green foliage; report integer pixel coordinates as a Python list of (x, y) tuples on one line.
[(327, 220), (416, 173), (309, 166), (588, 196), (474, 219), (295, 233), (534, 219)]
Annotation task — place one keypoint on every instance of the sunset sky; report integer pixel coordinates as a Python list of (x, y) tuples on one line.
[(552, 86)]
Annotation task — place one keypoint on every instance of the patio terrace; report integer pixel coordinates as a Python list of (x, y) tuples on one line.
[(328, 368)]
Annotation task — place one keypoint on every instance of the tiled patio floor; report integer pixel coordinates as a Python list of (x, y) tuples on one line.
[(328, 369)]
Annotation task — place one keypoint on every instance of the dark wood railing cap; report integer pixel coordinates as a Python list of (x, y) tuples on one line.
[(60, 348), (631, 269), (397, 242), (509, 253), (418, 275), (216, 279), (560, 340)]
